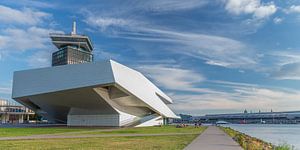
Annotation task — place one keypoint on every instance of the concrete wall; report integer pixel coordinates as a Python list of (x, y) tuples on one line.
[(93, 120)]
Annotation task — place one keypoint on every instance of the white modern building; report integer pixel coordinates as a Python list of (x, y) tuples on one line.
[(90, 94)]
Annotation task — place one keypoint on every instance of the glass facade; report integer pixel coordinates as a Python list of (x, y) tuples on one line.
[(71, 55)]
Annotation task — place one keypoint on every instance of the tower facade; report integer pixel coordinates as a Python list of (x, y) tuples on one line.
[(72, 48)]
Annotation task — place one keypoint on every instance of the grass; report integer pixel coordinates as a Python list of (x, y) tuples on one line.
[(284, 147), (9, 132), (149, 130), (251, 143), (108, 143), (247, 142), (168, 142)]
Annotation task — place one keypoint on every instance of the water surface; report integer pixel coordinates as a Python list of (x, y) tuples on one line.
[(273, 133)]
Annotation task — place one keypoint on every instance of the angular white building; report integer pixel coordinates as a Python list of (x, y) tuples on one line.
[(92, 94), (79, 92)]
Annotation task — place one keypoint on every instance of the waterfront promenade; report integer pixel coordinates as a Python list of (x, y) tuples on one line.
[(213, 138)]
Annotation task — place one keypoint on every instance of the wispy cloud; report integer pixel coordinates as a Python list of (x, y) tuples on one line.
[(226, 96), (5, 90), (40, 59), (13, 39), (173, 77), (30, 3), (28, 36), (104, 22), (287, 65), (233, 84), (25, 16), (240, 98), (288, 72), (23, 29), (171, 5), (216, 50), (277, 20)]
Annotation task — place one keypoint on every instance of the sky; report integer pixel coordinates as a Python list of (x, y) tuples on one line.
[(209, 56)]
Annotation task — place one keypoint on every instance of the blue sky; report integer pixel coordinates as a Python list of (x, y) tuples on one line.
[(210, 56)]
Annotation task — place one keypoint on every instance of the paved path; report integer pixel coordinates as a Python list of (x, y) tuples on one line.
[(59, 136), (213, 138)]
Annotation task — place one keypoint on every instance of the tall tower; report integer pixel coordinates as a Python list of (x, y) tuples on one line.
[(72, 48)]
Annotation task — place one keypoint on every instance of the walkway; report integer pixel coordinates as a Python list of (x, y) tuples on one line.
[(213, 138)]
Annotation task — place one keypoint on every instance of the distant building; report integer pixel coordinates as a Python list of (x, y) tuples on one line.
[(11, 112), (287, 117)]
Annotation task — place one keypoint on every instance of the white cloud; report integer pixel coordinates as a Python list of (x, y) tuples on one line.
[(105, 22), (293, 9), (287, 66), (233, 84), (277, 20), (253, 7), (265, 11), (288, 72), (171, 5), (26, 16), (128, 7), (21, 31), (5, 90), (29, 3), (216, 50), (171, 77), (238, 98), (176, 79), (40, 59), (13, 39)]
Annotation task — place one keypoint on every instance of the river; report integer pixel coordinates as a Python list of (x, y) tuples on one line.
[(273, 133)]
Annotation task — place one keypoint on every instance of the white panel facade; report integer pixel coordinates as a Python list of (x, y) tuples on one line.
[(138, 85)]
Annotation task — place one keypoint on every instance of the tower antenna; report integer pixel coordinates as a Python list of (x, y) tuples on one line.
[(74, 28)]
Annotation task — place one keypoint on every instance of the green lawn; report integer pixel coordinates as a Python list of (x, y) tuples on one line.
[(148, 130), (8, 132), (171, 142), (108, 143)]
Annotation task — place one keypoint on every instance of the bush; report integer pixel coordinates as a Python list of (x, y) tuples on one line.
[(284, 147), (247, 142)]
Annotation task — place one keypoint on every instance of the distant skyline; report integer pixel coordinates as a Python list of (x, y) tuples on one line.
[(209, 56)]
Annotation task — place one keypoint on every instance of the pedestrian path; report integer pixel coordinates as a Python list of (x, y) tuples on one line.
[(213, 138)]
